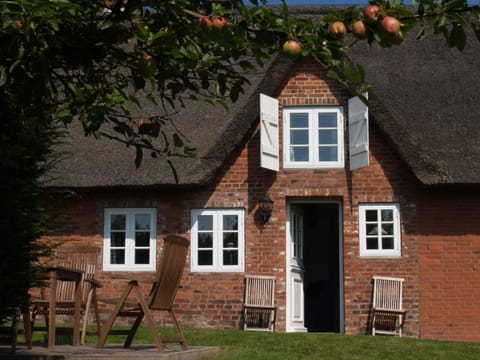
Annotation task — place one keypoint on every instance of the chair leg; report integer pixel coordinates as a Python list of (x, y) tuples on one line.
[(373, 324), (14, 329), (97, 313), (149, 318), (133, 330), (108, 325), (85, 317), (183, 342), (27, 327), (274, 319)]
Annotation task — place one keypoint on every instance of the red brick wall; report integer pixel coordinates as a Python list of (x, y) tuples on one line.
[(450, 264), (214, 300)]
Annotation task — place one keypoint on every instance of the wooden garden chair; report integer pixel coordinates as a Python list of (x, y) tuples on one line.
[(71, 291), (161, 298), (388, 314), (259, 310)]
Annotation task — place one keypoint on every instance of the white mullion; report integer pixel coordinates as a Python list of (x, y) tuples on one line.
[(217, 240), (379, 229), (129, 242), (313, 137)]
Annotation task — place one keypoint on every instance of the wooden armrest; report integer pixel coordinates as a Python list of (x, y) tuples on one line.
[(260, 307), (400, 311), (95, 282)]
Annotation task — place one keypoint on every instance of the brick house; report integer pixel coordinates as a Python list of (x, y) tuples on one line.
[(409, 163)]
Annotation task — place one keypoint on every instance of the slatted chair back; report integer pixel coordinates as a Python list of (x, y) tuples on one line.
[(169, 273), (387, 293), (82, 258), (259, 310), (161, 298), (259, 290), (388, 315)]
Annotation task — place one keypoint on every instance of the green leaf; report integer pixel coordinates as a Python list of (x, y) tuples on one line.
[(151, 129), (333, 75), (458, 37), (3, 76), (177, 141)]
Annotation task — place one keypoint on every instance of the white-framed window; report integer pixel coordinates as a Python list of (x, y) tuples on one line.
[(380, 234), (218, 240), (313, 137), (129, 241)]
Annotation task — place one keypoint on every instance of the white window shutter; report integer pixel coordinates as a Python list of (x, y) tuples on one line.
[(269, 147), (358, 133)]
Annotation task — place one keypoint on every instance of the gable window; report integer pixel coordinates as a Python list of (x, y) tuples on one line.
[(313, 137), (129, 239), (379, 230), (218, 240)]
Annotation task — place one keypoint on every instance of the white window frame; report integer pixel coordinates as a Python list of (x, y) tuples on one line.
[(217, 265), (313, 140), (129, 265), (362, 223)]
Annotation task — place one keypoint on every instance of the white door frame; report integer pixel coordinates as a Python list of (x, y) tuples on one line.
[(289, 287)]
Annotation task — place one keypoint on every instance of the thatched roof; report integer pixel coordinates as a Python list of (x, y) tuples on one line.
[(425, 100), (213, 130)]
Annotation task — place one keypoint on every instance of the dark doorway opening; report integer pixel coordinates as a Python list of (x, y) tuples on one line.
[(322, 267)]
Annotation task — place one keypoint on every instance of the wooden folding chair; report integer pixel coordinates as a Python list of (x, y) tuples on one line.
[(388, 314), (162, 297), (73, 285), (259, 310)]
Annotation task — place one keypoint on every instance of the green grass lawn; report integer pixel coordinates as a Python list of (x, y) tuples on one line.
[(237, 344)]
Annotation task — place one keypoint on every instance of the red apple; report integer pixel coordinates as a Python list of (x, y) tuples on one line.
[(292, 49), (219, 22), (359, 29), (371, 13), (337, 29), (18, 24), (205, 22), (390, 25)]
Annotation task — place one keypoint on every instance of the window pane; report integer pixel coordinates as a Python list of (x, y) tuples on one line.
[(205, 240), (142, 222), (142, 256), (299, 137), (372, 243), (387, 243), (372, 229), (205, 257), (328, 153), (230, 257), (142, 239), (387, 215), (327, 120), (230, 222), (205, 222), (371, 215), (298, 120), (387, 229), (117, 239), (230, 240), (117, 256), (299, 153), (327, 137), (117, 222)]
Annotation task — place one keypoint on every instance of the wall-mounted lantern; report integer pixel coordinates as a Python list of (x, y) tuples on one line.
[(265, 207)]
